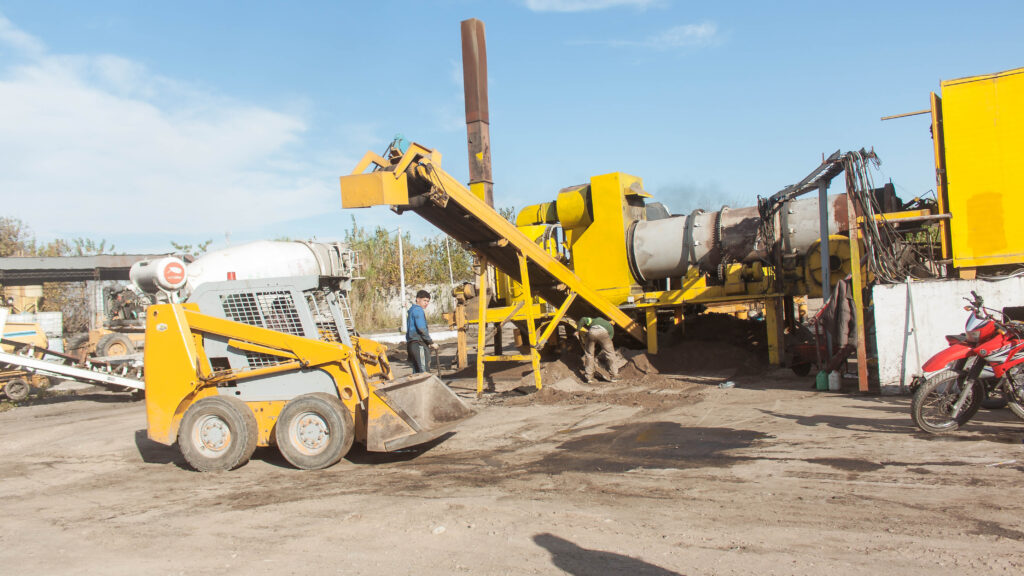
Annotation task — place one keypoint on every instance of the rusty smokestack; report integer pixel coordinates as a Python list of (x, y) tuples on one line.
[(478, 132)]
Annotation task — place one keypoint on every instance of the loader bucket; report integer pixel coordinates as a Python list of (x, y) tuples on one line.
[(410, 411)]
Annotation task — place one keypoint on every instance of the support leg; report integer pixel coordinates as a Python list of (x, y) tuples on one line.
[(652, 330), (481, 336), (531, 324)]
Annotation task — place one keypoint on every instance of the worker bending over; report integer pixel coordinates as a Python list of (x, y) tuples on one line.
[(417, 337), (593, 332)]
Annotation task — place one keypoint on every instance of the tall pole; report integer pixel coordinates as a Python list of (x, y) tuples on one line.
[(478, 131), (401, 280), (451, 276), (826, 255)]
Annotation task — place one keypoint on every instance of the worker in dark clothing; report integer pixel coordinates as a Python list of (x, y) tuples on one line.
[(595, 332), (417, 337)]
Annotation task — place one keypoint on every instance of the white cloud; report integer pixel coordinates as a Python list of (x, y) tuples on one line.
[(686, 35), (586, 5), (11, 36), (100, 145)]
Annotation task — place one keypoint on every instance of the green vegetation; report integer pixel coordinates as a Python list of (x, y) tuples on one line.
[(426, 263), (190, 249), (17, 239)]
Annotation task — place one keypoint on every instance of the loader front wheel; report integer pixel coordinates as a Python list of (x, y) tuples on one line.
[(314, 431), (217, 433)]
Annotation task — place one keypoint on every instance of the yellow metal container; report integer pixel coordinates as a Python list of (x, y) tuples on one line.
[(983, 125)]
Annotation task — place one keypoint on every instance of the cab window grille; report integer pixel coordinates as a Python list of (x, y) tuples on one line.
[(274, 310)]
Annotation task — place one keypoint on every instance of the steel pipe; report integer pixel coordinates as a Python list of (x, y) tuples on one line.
[(668, 247)]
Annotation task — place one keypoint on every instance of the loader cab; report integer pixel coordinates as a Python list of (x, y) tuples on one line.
[(298, 305)]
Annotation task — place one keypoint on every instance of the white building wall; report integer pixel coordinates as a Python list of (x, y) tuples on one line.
[(937, 311)]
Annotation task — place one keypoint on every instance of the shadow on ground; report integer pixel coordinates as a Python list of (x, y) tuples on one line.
[(580, 561), (156, 453)]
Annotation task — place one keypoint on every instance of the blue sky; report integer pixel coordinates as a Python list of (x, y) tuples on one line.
[(147, 122)]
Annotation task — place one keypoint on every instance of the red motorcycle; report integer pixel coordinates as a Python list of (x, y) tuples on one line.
[(987, 358)]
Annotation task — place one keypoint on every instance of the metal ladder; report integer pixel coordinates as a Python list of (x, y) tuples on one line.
[(346, 311)]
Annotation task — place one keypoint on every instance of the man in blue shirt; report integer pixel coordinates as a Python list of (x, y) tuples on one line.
[(417, 337)]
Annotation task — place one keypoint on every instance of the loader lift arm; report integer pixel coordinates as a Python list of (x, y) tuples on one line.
[(414, 181)]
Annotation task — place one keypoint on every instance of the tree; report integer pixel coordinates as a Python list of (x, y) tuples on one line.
[(16, 239), (69, 298), (192, 250)]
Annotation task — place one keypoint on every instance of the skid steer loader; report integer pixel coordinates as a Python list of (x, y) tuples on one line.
[(250, 363)]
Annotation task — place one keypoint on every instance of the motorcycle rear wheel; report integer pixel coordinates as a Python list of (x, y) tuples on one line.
[(934, 400)]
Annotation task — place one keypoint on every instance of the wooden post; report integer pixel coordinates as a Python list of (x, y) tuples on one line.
[(858, 298), (462, 354)]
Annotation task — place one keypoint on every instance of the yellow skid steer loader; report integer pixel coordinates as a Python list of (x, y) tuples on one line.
[(271, 362)]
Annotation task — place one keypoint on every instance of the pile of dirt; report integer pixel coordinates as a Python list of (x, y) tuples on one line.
[(714, 348), (651, 392), (683, 368), (711, 343)]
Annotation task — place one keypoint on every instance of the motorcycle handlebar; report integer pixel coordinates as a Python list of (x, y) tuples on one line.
[(978, 301)]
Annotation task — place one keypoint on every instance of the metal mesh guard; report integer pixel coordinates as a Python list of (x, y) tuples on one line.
[(273, 310)]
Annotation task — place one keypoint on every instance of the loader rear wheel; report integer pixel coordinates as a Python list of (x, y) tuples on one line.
[(114, 345), (314, 431), (17, 389), (217, 433)]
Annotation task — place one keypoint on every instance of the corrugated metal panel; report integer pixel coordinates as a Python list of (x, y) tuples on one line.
[(983, 121)]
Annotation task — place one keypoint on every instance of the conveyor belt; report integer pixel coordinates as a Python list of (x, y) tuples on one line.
[(103, 377), (415, 182)]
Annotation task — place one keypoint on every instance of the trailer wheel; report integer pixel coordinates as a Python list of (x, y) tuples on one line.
[(217, 433), (17, 389), (314, 431), (114, 345)]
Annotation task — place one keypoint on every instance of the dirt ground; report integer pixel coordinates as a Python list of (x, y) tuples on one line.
[(664, 472)]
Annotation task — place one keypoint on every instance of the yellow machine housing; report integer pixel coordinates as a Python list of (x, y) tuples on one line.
[(982, 125)]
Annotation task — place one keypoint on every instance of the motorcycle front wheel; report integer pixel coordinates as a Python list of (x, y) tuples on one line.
[(932, 408)]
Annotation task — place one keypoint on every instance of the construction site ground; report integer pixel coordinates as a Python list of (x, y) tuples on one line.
[(663, 472)]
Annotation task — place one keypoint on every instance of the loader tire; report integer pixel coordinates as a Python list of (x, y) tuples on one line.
[(217, 433), (114, 345), (17, 389), (314, 431)]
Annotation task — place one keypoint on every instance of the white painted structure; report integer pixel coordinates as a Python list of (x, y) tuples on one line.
[(908, 331)]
